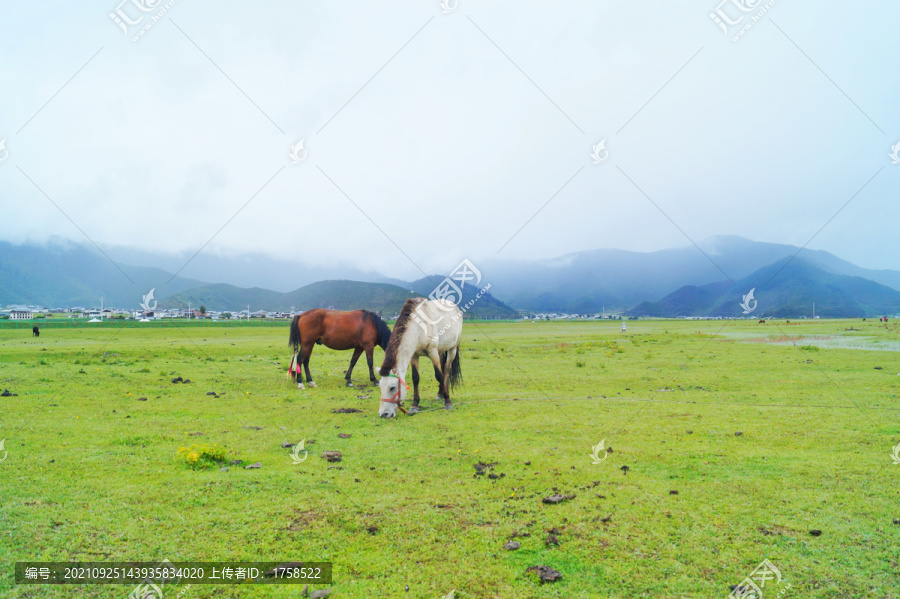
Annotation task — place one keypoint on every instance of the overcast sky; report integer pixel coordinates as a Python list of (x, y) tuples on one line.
[(439, 135)]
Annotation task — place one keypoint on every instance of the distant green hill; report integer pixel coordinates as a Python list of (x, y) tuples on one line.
[(786, 289), (338, 295), (383, 298)]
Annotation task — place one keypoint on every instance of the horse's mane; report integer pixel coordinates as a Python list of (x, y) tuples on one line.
[(390, 353), (384, 333)]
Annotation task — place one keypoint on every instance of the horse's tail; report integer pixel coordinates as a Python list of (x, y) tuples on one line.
[(291, 374), (455, 378), (294, 339), (382, 330)]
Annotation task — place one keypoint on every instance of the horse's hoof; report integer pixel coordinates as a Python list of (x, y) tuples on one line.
[(448, 406), (440, 397), (349, 384), (300, 386), (413, 410), (312, 384)]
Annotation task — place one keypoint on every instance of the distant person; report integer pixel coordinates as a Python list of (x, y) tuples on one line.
[(623, 327)]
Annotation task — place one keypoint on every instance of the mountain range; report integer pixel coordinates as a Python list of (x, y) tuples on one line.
[(70, 275), (705, 280), (586, 282), (786, 288)]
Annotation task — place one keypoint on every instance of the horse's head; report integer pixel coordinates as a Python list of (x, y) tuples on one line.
[(393, 392)]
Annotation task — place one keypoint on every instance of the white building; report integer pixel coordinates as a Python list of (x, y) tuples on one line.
[(21, 315)]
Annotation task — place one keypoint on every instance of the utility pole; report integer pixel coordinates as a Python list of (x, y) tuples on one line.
[(101, 308), (189, 310), (814, 310), (248, 313)]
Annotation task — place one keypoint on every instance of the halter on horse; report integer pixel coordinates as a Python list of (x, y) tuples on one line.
[(395, 398)]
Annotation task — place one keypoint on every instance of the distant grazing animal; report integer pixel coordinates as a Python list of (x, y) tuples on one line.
[(763, 321), (35, 332), (431, 328), (359, 330)]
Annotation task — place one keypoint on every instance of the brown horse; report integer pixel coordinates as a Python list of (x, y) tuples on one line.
[(359, 330)]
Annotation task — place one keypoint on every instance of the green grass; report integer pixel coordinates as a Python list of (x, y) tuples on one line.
[(95, 474)]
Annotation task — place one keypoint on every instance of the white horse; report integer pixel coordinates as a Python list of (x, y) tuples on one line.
[(431, 328)]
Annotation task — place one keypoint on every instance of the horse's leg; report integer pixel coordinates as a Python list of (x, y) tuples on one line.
[(448, 365), (356, 354), (307, 352), (440, 380), (415, 377), (298, 374), (438, 377), (298, 368), (371, 363), (438, 374), (295, 340)]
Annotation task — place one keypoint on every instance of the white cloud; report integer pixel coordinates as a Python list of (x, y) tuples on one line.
[(450, 148)]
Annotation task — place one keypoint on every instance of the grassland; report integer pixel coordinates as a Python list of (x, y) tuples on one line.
[(764, 432)]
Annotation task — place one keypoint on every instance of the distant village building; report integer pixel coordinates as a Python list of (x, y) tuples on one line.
[(21, 315)]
